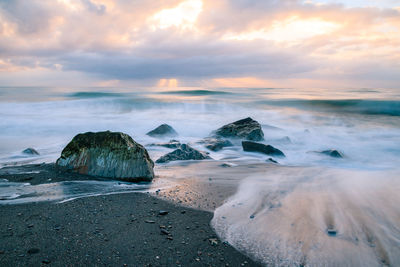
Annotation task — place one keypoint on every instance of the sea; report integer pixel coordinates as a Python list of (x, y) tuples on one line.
[(309, 209)]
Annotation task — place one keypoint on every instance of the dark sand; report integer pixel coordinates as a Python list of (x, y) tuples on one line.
[(112, 230)]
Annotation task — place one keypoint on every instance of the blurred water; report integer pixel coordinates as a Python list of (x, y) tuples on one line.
[(280, 216)]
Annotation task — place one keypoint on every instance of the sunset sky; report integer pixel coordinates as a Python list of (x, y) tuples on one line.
[(211, 43)]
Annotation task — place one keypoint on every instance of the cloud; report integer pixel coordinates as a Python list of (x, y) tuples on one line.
[(194, 39)]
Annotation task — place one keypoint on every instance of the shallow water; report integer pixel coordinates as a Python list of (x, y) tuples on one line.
[(21, 193), (279, 214)]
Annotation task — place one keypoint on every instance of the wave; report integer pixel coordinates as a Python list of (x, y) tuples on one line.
[(369, 107), (196, 92), (315, 217), (93, 95)]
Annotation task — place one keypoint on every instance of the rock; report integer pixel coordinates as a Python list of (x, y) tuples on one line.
[(272, 160), (31, 151), (171, 144), (248, 129), (33, 251), (164, 232), (162, 131), (107, 154), (332, 153), (162, 212), (331, 231), (265, 149), (46, 261), (184, 152), (215, 144)]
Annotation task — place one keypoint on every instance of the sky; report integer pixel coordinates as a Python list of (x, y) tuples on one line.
[(209, 43)]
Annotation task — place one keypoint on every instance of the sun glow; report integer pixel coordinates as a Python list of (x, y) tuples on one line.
[(290, 30), (184, 15), (167, 83)]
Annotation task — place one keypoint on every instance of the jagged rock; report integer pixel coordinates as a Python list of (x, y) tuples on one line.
[(215, 144), (265, 149), (170, 144), (332, 153), (184, 152), (248, 129), (30, 151), (162, 131), (107, 154)]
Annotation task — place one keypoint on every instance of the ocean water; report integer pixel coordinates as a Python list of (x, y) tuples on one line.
[(310, 210)]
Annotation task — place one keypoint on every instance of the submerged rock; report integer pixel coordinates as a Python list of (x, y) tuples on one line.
[(184, 152), (215, 144), (30, 151), (245, 129), (170, 144), (265, 149), (332, 153), (162, 131), (107, 154)]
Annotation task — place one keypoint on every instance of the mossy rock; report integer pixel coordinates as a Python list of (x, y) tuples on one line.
[(107, 154)]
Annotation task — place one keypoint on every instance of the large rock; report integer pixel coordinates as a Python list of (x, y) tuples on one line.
[(248, 129), (184, 152), (107, 154), (265, 149), (164, 130), (215, 144)]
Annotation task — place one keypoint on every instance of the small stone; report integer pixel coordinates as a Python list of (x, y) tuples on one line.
[(46, 261), (213, 241), (30, 225), (165, 232), (149, 221), (30, 151), (272, 160), (251, 216), (162, 212), (331, 231), (183, 211), (2, 252), (170, 238), (33, 251)]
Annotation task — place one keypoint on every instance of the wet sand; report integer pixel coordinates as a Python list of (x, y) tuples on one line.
[(113, 230)]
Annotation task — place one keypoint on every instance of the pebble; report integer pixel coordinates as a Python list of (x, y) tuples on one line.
[(149, 221), (46, 261), (162, 212), (165, 232), (33, 250), (331, 231)]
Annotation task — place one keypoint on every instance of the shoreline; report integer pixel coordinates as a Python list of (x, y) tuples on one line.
[(118, 230)]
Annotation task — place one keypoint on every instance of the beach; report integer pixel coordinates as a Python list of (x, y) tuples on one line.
[(128, 229), (329, 198)]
